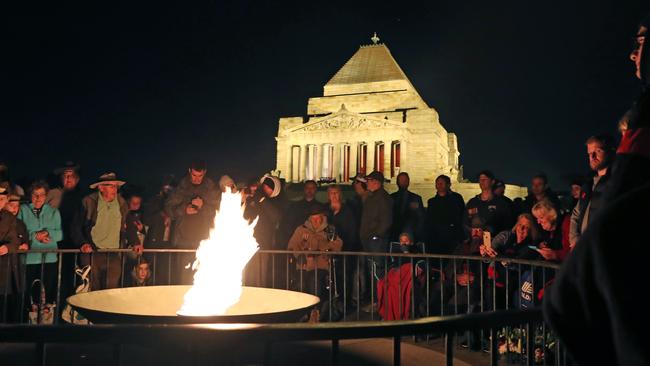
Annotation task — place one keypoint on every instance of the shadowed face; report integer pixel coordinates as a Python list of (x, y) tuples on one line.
[(537, 186), (12, 207), (197, 176), (316, 220), (108, 191), (523, 229), (310, 191), (70, 179), (334, 195), (576, 191), (485, 182), (38, 197), (635, 55), (441, 186), (597, 156)]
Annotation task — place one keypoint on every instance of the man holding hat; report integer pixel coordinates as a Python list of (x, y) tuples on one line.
[(101, 226), (376, 220)]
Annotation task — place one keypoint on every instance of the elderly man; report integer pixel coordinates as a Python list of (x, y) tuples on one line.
[(192, 207), (100, 226), (314, 235)]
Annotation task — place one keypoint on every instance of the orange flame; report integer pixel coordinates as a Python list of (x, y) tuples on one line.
[(220, 261)]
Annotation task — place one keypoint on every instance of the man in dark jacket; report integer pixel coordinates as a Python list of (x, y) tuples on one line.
[(595, 304), (100, 225), (376, 221), (540, 190), (408, 210), (267, 205), (9, 274), (601, 151), (159, 232), (68, 200), (192, 207), (444, 218), (493, 211), (298, 212)]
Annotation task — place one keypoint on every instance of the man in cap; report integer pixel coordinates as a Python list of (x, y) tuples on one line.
[(376, 221), (100, 226), (493, 210)]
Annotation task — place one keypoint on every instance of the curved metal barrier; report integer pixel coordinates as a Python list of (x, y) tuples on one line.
[(460, 292), (212, 335)]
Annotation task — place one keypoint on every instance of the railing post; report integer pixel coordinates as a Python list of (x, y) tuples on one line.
[(397, 350), (335, 352), (449, 348)]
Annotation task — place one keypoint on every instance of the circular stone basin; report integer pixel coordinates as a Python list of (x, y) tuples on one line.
[(159, 304)]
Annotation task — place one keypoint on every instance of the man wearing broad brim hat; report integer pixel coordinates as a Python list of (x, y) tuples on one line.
[(103, 220)]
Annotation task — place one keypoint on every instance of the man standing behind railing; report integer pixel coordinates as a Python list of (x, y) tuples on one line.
[(100, 226), (192, 207), (376, 221), (68, 200), (9, 276)]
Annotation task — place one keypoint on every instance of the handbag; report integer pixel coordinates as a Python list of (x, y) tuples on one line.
[(70, 315), (39, 311)]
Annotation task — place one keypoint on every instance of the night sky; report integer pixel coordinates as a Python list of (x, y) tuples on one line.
[(143, 89)]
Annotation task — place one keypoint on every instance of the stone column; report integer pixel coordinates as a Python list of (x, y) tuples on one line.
[(354, 146), (303, 162), (387, 151)]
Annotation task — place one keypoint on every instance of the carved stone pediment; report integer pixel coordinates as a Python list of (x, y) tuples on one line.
[(346, 121)]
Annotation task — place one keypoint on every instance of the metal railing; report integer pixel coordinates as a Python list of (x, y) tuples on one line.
[(182, 338), (436, 285)]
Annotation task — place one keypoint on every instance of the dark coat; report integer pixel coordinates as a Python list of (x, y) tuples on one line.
[(549, 195), (269, 212), (296, 214), (9, 272), (69, 208), (495, 213), (154, 218), (346, 227), (596, 303), (444, 222), (408, 215), (189, 230), (377, 216)]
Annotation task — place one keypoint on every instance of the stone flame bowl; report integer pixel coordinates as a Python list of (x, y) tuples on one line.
[(159, 304)]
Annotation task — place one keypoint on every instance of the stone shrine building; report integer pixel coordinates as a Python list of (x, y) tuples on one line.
[(370, 117)]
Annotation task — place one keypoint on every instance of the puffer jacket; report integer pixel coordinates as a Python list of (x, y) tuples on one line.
[(316, 241)]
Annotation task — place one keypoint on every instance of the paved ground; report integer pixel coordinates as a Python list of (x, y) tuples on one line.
[(353, 352)]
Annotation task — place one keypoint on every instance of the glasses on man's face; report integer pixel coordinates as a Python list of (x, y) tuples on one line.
[(108, 185), (38, 195)]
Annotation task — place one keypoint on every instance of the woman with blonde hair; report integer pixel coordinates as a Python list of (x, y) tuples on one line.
[(554, 243)]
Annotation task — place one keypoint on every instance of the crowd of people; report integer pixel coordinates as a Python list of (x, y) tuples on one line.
[(181, 214)]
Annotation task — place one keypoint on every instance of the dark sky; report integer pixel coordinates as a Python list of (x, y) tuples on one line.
[(142, 89)]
